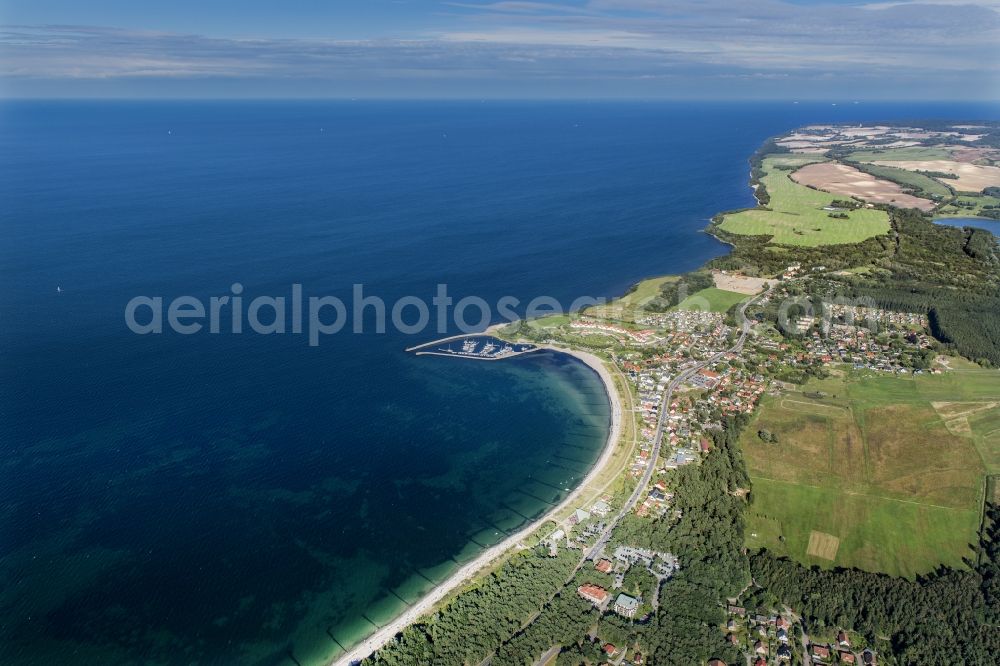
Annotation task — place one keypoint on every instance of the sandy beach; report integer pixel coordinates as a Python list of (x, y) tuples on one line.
[(489, 556)]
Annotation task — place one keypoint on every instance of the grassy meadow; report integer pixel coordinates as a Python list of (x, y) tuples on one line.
[(711, 299), (881, 473), (795, 214)]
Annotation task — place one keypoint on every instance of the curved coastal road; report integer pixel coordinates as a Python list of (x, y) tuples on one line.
[(647, 475)]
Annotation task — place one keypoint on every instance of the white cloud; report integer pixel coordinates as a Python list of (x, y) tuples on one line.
[(920, 45), (761, 34), (990, 4)]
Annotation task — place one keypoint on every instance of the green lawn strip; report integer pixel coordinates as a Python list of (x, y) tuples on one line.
[(900, 154), (925, 184), (711, 299)]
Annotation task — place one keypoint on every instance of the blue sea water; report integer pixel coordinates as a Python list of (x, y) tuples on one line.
[(993, 226), (221, 499)]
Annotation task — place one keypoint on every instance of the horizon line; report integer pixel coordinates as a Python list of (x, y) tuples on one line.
[(478, 99)]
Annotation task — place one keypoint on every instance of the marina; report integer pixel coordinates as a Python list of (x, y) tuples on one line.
[(477, 347)]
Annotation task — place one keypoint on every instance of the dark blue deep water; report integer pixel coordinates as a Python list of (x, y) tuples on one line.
[(222, 499)]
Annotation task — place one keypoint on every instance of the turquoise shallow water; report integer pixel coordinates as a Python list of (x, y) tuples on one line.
[(221, 499)]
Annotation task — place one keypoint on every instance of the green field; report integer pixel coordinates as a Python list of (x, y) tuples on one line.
[(795, 215), (969, 402), (967, 205), (624, 308), (711, 300), (877, 534), (881, 473), (793, 159), (925, 185), (645, 291), (900, 154)]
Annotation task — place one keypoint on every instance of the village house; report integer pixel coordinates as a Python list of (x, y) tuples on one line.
[(595, 594)]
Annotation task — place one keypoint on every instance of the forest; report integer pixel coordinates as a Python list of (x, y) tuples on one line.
[(484, 617)]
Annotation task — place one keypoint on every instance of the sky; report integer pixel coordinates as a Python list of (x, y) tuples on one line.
[(523, 49)]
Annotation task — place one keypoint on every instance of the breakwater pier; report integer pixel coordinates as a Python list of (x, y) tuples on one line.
[(478, 347)]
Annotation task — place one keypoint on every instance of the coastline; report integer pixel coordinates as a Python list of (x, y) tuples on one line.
[(384, 635), (489, 556)]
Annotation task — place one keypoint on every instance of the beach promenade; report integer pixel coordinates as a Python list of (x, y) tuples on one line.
[(492, 554)]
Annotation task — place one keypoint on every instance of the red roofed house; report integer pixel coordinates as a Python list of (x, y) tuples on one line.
[(847, 657), (609, 649), (604, 566), (821, 652), (595, 594)]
